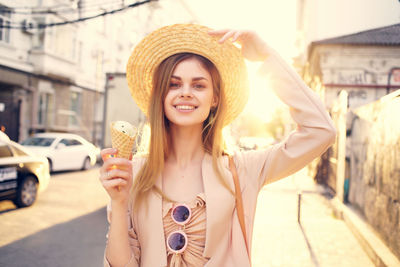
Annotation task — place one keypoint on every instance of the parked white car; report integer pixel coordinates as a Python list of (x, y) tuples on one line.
[(63, 150)]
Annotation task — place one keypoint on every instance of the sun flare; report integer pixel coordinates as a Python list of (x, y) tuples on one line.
[(262, 100), (274, 21)]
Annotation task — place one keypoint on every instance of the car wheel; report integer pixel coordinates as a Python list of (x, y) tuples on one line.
[(86, 164), (27, 192)]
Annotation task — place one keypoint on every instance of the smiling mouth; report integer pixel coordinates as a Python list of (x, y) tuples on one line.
[(185, 107)]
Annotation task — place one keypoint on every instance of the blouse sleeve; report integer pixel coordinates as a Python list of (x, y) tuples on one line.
[(133, 241), (314, 134), (134, 244)]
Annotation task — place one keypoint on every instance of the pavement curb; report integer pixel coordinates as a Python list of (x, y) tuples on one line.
[(376, 250)]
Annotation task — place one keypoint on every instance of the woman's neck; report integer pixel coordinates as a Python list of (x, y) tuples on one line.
[(186, 145)]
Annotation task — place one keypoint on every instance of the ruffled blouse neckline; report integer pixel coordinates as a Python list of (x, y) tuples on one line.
[(198, 201)]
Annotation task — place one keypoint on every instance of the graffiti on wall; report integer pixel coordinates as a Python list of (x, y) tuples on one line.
[(356, 96), (360, 77), (352, 77)]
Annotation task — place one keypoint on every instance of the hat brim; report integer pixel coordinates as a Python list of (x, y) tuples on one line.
[(190, 38)]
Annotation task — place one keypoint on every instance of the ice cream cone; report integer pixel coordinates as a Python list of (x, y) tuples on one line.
[(122, 141)]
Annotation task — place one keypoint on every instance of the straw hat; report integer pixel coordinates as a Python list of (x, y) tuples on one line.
[(179, 38)]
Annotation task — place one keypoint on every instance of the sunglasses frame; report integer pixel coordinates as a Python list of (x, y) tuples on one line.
[(188, 218), (179, 231), (186, 241)]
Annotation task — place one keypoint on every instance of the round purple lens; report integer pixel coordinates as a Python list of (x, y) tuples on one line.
[(176, 241), (181, 214)]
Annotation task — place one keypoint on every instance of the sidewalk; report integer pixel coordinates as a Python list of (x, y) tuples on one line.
[(321, 240)]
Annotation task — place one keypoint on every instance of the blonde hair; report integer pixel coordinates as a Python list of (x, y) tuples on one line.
[(159, 144)]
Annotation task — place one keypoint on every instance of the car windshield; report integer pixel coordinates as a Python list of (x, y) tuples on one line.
[(19, 152), (38, 141), (5, 151)]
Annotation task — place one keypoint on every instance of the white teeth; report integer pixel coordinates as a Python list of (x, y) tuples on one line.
[(184, 107)]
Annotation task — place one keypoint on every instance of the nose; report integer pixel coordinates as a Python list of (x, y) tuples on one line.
[(186, 91)]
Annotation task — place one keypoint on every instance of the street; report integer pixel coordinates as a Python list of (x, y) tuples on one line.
[(321, 240), (67, 226)]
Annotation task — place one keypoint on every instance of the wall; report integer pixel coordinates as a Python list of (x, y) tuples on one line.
[(375, 166), (360, 70)]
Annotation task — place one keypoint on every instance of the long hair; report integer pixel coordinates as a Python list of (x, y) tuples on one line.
[(159, 145)]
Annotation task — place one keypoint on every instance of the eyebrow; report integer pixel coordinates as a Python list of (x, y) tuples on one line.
[(194, 79)]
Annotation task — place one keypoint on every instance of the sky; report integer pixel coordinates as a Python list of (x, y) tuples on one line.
[(274, 21)]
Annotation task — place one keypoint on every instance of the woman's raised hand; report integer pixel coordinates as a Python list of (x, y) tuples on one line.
[(253, 47), (116, 176)]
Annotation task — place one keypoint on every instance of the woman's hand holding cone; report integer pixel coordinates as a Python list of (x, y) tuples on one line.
[(116, 175)]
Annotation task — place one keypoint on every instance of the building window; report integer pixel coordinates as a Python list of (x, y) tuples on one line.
[(61, 41), (5, 21), (45, 109), (80, 53), (76, 101), (38, 39)]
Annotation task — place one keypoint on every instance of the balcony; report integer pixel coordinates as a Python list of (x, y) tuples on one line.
[(49, 64)]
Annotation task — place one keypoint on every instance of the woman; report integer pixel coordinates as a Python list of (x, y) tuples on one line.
[(190, 82)]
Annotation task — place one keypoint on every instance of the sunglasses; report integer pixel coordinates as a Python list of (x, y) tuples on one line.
[(177, 240)]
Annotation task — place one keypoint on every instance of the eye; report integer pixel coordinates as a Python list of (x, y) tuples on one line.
[(199, 86), (173, 85)]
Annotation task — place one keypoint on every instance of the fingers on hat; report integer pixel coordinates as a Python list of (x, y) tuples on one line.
[(226, 36), (236, 35), (218, 32)]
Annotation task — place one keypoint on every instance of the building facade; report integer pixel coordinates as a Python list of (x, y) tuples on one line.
[(366, 65), (319, 20), (358, 76), (50, 76), (53, 74)]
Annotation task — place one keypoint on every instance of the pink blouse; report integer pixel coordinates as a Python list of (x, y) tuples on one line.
[(195, 230)]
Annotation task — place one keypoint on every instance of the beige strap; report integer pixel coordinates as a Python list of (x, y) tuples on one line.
[(239, 202)]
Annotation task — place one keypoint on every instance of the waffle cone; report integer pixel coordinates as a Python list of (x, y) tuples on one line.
[(123, 142)]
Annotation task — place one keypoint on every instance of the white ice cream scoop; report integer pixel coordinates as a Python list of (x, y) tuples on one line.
[(125, 127)]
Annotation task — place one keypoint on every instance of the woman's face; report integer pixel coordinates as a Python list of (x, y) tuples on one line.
[(191, 94)]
